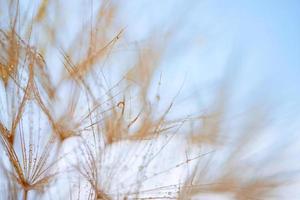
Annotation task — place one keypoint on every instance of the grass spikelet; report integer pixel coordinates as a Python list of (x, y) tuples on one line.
[(84, 115)]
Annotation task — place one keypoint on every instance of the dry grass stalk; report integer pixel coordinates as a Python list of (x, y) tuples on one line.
[(106, 139)]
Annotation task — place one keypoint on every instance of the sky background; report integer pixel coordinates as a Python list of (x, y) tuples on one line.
[(255, 43)]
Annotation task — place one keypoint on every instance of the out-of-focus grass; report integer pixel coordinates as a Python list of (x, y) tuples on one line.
[(77, 121)]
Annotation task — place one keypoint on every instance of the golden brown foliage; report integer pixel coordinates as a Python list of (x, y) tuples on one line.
[(75, 129)]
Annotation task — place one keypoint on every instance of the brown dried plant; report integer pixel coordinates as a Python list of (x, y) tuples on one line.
[(78, 123)]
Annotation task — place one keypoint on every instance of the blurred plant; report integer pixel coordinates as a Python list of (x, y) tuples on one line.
[(76, 128)]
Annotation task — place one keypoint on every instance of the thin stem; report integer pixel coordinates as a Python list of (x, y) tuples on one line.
[(25, 195)]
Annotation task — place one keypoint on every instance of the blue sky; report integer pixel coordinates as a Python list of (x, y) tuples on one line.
[(260, 39), (257, 40)]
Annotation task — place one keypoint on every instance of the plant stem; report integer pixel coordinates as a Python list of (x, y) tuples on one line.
[(25, 195)]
